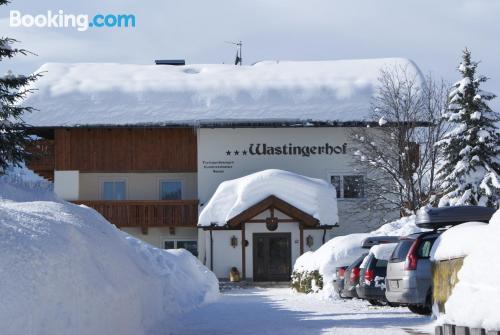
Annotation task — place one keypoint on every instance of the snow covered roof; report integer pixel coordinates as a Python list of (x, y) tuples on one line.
[(316, 197), (271, 91)]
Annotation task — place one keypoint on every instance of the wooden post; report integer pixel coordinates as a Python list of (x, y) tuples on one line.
[(301, 229), (243, 258)]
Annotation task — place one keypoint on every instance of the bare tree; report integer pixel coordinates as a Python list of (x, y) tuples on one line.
[(398, 156)]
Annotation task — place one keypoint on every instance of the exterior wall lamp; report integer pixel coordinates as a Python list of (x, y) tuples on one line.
[(234, 241), (309, 241)]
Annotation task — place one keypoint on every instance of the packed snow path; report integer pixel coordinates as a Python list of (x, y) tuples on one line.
[(280, 311)]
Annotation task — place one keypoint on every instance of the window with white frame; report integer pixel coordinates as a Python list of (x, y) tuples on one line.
[(349, 186), (170, 190), (189, 245), (113, 190)]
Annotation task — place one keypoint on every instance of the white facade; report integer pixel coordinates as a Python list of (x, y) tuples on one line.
[(226, 153), (216, 166), (226, 256), (230, 153)]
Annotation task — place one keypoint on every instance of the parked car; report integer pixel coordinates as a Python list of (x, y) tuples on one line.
[(409, 271), (339, 281), (372, 277), (351, 278)]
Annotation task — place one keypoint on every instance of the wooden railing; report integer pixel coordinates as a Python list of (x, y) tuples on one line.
[(43, 156), (144, 214)]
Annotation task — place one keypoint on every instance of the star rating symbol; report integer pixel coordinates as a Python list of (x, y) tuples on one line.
[(228, 153), (236, 152), (244, 152)]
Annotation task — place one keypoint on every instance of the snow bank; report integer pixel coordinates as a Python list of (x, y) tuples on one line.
[(18, 184), (65, 270), (111, 94), (383, 251), (343, 250), (316, 197), (475, 300), (459, 241)]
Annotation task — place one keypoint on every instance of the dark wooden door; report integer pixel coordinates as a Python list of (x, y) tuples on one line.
[(272, 256)]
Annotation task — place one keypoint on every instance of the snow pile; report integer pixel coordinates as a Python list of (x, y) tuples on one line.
[(402, 227), (459, 241), (339, 251), (475, 300), (65, 270), (18, 185), (316, 197), (343, 250), (110, 94), (383, 251)]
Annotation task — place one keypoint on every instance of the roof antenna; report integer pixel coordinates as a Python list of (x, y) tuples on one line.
[(239, 58)]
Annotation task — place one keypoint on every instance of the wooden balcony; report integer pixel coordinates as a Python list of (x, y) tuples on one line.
[(43, 162), (145, 214)]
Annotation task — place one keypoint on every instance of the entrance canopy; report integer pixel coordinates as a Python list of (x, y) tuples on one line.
[(310, 201)]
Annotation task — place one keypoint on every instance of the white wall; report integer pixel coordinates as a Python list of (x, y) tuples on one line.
[(226, 256), (67, 184), (140, 186), (158, 235), (215, 166)]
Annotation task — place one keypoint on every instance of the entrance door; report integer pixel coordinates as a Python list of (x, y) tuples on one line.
[(272, 256)]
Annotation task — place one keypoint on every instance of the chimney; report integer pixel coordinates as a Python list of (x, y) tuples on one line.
[(176, 62)]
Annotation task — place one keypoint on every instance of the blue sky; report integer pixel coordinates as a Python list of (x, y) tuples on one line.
[(430, 32)]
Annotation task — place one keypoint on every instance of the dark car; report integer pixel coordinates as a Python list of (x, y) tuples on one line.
[(339, 281), (372, 280), (351, 278)]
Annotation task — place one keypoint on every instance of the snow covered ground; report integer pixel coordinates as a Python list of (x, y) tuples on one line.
[(65, 270), (280, 311)]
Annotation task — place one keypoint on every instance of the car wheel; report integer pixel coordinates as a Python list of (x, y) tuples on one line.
[(375, 302), (420, 310)]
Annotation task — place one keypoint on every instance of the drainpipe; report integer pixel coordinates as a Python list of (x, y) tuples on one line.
[(211, 251)]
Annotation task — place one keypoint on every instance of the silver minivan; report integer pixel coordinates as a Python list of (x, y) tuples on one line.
[(409, 273)]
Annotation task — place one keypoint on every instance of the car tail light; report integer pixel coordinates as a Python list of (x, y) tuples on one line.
[(354, 275), (369, 275), (341, 273), (412, 257)]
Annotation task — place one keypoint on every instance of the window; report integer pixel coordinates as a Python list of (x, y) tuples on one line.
[(381, 263), (424, 251), (349, 187), (169, 245), (170, 190), (114, 190), (335, 180), (191, 246), (401, 250)]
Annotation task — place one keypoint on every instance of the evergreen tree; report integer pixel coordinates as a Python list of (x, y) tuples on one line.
[(471, 149), (13, 136)]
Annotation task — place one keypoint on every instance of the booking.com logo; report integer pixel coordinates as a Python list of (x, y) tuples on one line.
[(82, 22)]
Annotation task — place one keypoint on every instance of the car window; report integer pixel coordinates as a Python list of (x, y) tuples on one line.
[(381, 263), (425, 247), (357, 262), (401, 250)]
